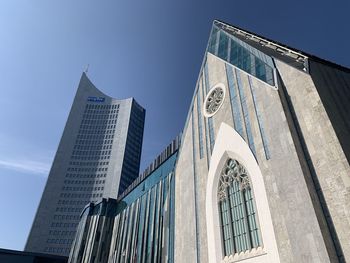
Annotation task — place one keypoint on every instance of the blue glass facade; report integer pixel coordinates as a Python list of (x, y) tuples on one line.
[(241, 55), (248, 126), (132, 156), (159, 174), (139, 227), (235, 103), (199, 115), (260, 120), (211, 133), (241, 118)]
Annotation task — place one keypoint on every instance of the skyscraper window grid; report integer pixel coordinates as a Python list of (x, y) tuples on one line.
[(90, 163)]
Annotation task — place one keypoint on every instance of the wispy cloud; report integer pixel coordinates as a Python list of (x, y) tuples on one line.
[(26, 166)]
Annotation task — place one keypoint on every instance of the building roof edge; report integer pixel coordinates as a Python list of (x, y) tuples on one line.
[(309, 56)]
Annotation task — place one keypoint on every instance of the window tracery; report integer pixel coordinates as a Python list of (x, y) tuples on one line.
[(214, 100), (237, 209)]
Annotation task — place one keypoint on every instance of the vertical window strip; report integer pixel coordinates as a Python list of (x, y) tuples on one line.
[(145, 235), (236, 114), (126, 239), (239, 220), (212, 43), (114, 236), (171, 217), (206, 77), (132, 232), (250, 210), (210, 120), (151, 224), (260, 122), (195, 190), (229, 49), (211, 133), (125, 227), (241, 55), (120, 233), (158, 225), (223, 46), (164, 217), (141, 228), (137, 228), (217, 43), (252, 66), (199, 116), (245, 112), (230, 218), (206, 128), (226, 228)]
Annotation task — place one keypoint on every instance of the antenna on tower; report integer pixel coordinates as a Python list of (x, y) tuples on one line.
[(87, 69)]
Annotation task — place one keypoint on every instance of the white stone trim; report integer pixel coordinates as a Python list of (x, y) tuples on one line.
[(218, 85), (229, 144)]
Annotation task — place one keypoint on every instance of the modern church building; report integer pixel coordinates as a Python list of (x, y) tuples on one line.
[(261, 173), (98, 156)]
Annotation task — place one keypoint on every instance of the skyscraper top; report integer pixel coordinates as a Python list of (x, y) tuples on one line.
[(86, 86)]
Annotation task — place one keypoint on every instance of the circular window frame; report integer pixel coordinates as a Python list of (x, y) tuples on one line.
[(219, 85)]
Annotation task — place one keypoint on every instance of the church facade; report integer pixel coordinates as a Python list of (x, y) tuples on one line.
[(262, 171)]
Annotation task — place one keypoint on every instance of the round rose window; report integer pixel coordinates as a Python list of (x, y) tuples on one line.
[(214, 100)]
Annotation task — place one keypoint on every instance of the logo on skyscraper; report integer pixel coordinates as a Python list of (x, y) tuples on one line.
[(96, 99)]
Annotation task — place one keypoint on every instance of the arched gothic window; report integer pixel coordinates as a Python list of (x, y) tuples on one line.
[(237, 210)]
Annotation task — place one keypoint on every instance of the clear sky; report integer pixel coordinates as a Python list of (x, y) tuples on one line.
[(151, 50)]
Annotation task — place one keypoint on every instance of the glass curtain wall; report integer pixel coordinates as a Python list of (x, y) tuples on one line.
[(232, 50)]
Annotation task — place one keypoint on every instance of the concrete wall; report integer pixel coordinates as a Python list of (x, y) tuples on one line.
[(333, 87), (319, 128)]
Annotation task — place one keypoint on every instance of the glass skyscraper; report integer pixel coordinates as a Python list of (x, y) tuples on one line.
[(98, 156)]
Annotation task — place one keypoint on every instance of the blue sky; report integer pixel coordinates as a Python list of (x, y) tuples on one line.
[(151, 50)]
